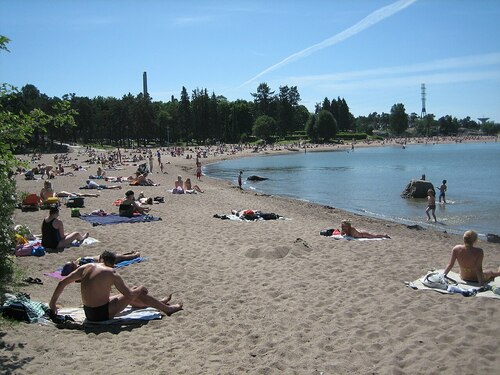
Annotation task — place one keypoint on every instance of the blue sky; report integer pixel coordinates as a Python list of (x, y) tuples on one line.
[(373, 53)]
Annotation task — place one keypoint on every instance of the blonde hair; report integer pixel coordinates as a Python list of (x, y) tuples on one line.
[(346, 222), (470, 237)]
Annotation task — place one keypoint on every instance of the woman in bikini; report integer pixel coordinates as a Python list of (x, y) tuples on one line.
[(470, 260)]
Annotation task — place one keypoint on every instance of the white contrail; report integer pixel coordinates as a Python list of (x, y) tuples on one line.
[(370, 20)]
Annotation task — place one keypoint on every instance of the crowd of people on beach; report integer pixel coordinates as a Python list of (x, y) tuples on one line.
[(97, 275)]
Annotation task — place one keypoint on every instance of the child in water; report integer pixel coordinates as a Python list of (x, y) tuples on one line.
[(431, 205), (442, 192)]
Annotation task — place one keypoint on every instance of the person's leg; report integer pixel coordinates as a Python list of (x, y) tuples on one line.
[(427, 213), (434, 214), (129, 256), (66, 241), (490, 275)]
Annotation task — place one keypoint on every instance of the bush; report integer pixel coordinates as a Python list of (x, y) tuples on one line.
[(7, 207)]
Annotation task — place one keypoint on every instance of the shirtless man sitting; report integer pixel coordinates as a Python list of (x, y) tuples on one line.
[(96, 282), (346, 229), (470, 260)]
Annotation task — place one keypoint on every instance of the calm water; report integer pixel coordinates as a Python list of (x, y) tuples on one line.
[(369, 181)]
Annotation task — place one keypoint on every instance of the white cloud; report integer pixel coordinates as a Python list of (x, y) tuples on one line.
[(370, 20)]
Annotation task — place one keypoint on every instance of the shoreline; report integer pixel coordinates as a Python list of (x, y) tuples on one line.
[(376, 216), (259, 297)]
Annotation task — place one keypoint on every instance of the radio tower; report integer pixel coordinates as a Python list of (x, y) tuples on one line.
[(422, 90)]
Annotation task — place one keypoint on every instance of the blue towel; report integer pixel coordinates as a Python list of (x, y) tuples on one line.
[(115, 219), (128, 262)]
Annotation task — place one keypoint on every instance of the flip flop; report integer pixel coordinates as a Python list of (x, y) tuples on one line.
[(31, 280)]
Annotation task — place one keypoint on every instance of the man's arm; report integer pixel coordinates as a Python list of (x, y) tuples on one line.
[(451, 262), (131, 293), (72, 277), (479, 267)]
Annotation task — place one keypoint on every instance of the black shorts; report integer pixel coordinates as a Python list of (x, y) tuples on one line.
[(97, 314)]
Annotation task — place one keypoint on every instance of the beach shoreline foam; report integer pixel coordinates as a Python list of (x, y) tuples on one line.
[(260, 297)]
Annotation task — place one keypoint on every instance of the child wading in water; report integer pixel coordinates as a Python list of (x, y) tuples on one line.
[(442, 192), (431, 204)]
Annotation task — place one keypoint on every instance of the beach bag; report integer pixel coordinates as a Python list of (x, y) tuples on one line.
[(75, 212), (75, 202), (437, 280)]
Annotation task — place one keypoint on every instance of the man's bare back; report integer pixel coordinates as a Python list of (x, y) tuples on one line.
[(96, 282), (470, 260)]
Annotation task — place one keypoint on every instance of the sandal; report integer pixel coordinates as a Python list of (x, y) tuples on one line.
[(31, 280)]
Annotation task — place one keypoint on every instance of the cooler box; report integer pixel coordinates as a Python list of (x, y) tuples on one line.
[(75, 202)]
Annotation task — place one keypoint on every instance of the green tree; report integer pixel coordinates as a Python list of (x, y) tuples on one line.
[(264, 100), (185, 116), (312, 128), (326, 125), (264, 127), (398, 120)]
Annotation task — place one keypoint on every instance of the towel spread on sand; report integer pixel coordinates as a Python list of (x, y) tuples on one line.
[(349, 238), (115, 219), (492, 288), (57, 273), (127, 316), (87, 241)]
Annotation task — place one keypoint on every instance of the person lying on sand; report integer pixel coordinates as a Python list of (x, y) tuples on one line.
[(63, 194), (53, 236), (73, 265), (346, 229), (470, 260), (94, 185), (96, 280)]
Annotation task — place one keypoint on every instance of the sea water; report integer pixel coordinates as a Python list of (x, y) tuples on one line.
[(369, 181)]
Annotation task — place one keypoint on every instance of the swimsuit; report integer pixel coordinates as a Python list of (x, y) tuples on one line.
[(50, 235), (97, 314), (432, 206)]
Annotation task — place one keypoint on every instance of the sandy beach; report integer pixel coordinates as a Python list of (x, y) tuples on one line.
[(261, 297)]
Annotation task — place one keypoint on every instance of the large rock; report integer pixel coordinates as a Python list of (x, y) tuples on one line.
[(256, 178), (417, 189)]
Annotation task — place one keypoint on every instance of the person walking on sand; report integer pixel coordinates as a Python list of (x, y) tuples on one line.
[(96, 281), (470, 260), (239, 179), (442, 192), (431, 205), (53, 236)]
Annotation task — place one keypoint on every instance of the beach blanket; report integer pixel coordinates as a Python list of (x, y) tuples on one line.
[(128, 316), (349, 238), (459, 286), (115, 219), (87, 241), (256, 216), (57, 273)]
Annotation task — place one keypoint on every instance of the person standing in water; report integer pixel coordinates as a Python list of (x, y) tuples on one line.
[(239, 180), (431, 205), (442, 192)]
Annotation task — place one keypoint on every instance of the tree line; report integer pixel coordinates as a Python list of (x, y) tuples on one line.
[(202, 118)]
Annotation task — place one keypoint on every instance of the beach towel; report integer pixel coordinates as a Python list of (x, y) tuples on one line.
[(87, 241), (455, 285), (115, 219), (255, 216), (57, 273), (128, 316), (349, 238)]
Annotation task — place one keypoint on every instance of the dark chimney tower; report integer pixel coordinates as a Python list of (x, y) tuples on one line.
[(145, 84)]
